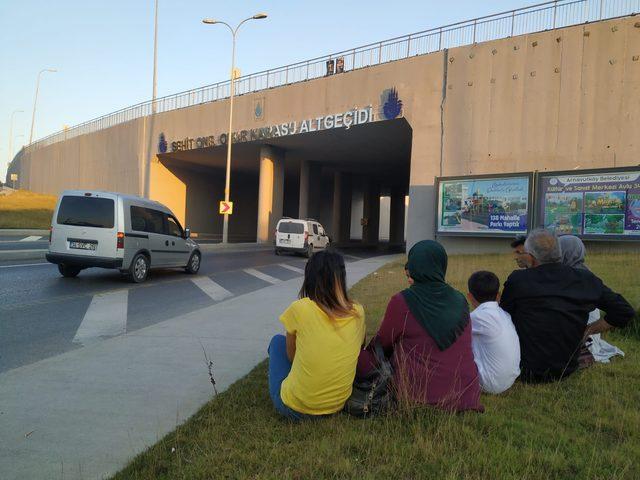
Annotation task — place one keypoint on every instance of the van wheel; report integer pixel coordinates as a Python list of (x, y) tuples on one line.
[(68, 271), (194, 264), (139, 268), (309, 251), (278, 252)]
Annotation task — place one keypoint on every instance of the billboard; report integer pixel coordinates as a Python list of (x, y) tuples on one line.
[(592, 204), (484, 205)]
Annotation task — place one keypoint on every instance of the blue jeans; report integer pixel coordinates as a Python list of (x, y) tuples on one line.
[(279, 368)]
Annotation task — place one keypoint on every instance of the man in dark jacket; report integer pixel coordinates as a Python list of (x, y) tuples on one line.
[(550, 303)]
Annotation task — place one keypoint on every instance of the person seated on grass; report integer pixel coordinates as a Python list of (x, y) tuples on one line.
[(550, 303), (521, 257), (595, 349), (311, 370), (427, 334), (496, 349)]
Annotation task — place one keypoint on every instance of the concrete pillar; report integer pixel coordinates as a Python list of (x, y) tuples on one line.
[(270, 192), (336, 217), (345, 208), (371, 213), (303, 202), (397, 215)]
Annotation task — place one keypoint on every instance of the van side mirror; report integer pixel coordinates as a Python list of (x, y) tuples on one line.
[(187, 232)]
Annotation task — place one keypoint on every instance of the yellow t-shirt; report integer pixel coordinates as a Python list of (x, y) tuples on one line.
[(327, 352)]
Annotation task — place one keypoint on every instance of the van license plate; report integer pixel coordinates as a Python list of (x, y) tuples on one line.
[(83, 245)]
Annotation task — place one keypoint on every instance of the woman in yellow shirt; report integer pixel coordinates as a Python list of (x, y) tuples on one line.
[(311, 370)]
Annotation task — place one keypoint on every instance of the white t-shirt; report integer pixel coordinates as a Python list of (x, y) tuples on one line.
[(496, 348)]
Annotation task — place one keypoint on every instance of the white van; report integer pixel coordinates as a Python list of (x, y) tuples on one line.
[(301, 236), (112, 230)]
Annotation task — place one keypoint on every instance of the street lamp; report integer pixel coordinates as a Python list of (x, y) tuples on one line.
[(11, 135), (155, 61), (16, 137), (35, 100), (227, 181)]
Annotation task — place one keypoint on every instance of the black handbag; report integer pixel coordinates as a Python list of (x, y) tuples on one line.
[(372, 393)]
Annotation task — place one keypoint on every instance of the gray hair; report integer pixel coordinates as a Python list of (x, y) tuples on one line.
[(543, 245)]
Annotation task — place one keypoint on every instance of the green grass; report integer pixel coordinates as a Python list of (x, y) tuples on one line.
[(24, 209), (586, 427)]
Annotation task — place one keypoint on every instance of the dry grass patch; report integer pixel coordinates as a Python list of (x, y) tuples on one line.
[(24, 209)]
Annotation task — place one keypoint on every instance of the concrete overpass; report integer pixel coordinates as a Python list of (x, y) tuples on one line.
[(329, 145)]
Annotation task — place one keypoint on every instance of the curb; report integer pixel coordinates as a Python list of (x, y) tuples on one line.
[(22, 254), (234, 247), (23, 232)]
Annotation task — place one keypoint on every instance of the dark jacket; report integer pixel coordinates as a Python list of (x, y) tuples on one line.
[(550, 306)]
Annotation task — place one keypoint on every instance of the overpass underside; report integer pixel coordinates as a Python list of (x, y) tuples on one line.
[(354, 181)]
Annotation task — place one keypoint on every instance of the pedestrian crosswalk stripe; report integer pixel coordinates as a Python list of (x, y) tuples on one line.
[(212, 289), (105, 317), (262, 276), (292, 268), (31, 238)]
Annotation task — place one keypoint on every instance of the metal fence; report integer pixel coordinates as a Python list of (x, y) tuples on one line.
[(536, 18)]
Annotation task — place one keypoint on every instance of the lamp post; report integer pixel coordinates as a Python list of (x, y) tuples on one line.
[(155, 61), (18, 136), (11, 135), (13, 182), (227, 180), (35, 100)]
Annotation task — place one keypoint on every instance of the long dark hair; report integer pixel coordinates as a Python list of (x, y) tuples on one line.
[(325, 282)]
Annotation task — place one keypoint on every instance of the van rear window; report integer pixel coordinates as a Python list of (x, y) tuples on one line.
[(291, 227), (86, 212)]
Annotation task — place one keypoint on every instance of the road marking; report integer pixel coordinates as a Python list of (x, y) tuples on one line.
[(31, 238), (25, 265), (211, 288), (292, 268), (105, 317), (262, 276), (352, 256)]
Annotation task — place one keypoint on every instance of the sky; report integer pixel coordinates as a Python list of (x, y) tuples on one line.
[(103, 50)]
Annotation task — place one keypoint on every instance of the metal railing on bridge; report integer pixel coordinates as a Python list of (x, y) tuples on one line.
[(535, 18)]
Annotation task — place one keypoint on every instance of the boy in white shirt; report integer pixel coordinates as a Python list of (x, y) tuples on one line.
[(496, 348)]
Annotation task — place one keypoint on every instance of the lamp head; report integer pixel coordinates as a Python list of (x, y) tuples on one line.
[(209, 21), (259, 16)]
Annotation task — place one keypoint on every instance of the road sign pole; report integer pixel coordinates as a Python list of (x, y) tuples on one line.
[(227, 180)]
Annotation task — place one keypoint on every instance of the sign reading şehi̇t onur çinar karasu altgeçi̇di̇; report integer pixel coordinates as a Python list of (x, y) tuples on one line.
[(391, 107), (345, 120)]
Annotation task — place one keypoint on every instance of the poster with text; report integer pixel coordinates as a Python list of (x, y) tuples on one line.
[(497, 205), (604, 204)]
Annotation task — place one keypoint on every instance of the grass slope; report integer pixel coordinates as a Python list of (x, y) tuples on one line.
[(586, 427), (24, 209)]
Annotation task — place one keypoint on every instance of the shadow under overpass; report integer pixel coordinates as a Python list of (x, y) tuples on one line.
[(335, 176)]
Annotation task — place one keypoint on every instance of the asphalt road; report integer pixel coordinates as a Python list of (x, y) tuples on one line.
[(43, 314)]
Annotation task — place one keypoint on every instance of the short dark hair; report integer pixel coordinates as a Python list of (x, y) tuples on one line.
[(518, 241), (484, 286)]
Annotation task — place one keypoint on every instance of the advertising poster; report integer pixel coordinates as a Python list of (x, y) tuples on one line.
[(602, 204), (498, 205)]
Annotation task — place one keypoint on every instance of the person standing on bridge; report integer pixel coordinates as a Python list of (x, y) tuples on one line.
[(312, 368)]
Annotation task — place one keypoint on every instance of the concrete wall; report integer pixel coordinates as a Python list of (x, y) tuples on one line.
[(559, 99), (111, 159)]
